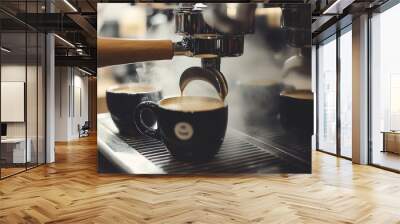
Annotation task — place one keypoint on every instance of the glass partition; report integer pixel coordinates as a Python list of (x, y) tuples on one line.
[(22, 89), (14, 153)]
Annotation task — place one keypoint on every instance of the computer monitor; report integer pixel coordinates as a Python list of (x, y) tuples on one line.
[(3, 129)]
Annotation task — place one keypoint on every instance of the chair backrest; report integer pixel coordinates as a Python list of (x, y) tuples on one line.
[(86, 125)]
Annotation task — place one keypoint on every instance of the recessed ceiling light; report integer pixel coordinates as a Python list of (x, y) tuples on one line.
[(337, 7), (84, 71), (5, 50), (70, 5), (65, 41)]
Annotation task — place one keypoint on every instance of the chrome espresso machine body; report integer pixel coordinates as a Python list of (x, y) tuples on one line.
[(210, 32), (213, 31)]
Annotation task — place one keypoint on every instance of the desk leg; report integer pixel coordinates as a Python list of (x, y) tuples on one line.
[(384, 143)]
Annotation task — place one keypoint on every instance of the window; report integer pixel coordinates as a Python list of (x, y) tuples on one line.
[(334, 106), (327, 96), (346, 93), (385, 89)]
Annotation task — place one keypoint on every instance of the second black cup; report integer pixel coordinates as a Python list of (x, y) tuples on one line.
[(122, 101), (192, 127), (296, 112)]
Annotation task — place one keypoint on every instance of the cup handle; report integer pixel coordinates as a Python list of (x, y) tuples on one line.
[(141, 126)]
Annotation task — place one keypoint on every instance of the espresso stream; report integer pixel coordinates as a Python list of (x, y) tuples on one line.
[(191, 103)]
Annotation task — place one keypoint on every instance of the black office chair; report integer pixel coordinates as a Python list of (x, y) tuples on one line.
[(84, 130)]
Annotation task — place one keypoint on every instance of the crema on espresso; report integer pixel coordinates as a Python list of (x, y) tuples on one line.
[(191, 103), (139, 88)]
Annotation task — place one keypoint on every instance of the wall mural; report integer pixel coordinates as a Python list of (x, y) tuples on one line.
[(204, 88)]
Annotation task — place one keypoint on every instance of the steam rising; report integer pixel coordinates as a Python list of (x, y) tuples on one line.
[(257, 63)]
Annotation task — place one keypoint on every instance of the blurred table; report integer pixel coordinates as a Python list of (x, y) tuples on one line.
[(391, 141), (13, 150)]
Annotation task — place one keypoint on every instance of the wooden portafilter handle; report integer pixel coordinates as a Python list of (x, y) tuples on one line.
[(114, 51)]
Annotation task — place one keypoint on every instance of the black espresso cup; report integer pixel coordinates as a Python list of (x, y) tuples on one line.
[(296, 112), (191, 127), (122, 101)]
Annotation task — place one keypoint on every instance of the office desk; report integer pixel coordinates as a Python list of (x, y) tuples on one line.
[(391, 141), (13, 150)]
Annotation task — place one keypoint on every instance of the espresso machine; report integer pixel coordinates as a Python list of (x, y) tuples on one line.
[(212, 32), (209, 32)]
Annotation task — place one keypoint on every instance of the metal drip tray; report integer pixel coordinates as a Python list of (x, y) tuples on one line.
[(239, 154)]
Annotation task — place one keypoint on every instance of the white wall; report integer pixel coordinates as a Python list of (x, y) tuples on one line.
[(62, 81), (13, 101), (70, 83), (12, 73), (80, 97), (82, 82), (33, 126), (16, 73)]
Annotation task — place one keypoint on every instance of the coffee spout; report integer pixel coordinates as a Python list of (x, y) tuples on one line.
[(210, 75)]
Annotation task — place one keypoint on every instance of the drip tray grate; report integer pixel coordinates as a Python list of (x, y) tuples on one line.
[(238, 154)]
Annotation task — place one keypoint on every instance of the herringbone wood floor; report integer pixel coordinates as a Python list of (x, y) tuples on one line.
[(71, 191)]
